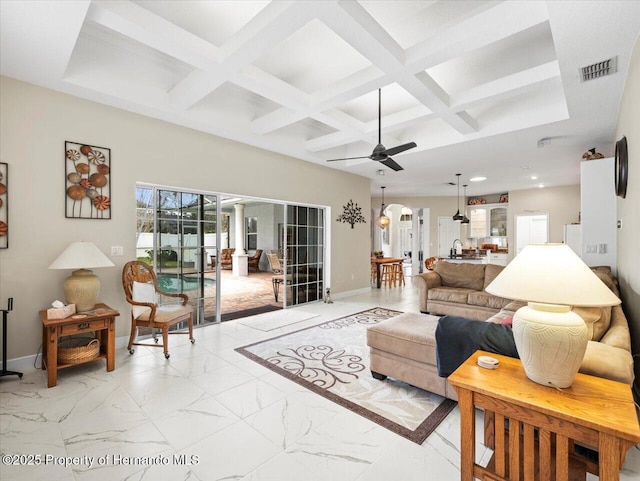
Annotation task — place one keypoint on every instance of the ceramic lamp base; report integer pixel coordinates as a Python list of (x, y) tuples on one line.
[(82, 288), (551, 341)]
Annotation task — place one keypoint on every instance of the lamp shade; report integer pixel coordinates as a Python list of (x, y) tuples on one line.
[(551, 274), (81, 255), (81, 287)]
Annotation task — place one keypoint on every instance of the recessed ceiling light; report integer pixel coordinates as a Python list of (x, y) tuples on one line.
[(380, 172), (534, 177), (525, 167), (540, 186), (477, 179)]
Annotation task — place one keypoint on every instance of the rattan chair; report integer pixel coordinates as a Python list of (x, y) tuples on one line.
[(140, 286), (279, 276), (253, 262)]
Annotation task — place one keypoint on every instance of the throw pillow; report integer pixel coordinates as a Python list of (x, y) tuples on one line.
[(142, 292), (507, 321)]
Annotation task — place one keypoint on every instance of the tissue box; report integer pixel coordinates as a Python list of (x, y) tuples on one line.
[(61, 312)]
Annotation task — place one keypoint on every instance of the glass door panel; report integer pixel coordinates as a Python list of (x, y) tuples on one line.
[(305, 244), (180, 244)]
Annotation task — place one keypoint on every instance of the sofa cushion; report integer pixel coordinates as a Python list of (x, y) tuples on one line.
[(466, 275), (491, 271), (450, 294), (605, 275), (597, 320), (484, 299)]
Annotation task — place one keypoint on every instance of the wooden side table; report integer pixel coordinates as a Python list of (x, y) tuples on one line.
[(535, 426), (100, 320)]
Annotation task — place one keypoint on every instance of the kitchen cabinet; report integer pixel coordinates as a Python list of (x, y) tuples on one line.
[(488, 220), (497, 259)]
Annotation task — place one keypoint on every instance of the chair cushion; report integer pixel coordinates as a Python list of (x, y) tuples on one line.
[(167, 313), (143, 292)]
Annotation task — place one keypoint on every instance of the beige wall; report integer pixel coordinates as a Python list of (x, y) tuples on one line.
[(561, 203), (629, 207), (34, 124)]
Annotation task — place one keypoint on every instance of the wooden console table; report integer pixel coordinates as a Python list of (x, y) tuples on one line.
[(101, 320), (535, 426)]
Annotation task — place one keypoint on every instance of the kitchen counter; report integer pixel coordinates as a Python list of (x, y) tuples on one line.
[(469, 260)]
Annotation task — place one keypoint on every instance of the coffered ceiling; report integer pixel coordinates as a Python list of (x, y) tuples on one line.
[(475, 84)]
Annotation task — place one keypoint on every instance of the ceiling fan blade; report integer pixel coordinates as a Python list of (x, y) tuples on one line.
[(400, 148), (349, 158), (391, 164)]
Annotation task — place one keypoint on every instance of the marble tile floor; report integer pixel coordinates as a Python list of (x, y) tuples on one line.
[(209, 413)]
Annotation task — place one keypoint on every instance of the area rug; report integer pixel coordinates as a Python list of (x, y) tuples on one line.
[(332, 359), (276, 319)]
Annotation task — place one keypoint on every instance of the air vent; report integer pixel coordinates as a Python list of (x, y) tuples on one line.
[(599, 69)]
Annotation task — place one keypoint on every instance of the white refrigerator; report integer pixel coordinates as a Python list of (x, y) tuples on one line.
[(573, 237)]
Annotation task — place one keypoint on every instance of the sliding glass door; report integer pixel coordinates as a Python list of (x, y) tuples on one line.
[(186, 237), (177, 235)]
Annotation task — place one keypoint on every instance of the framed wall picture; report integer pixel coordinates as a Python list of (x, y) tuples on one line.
[(87, 181), (4, 205)]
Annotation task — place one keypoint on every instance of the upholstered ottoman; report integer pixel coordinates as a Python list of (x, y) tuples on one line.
[(404, 348)]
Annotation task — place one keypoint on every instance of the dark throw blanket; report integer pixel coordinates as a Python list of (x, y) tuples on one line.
[(457, 338)]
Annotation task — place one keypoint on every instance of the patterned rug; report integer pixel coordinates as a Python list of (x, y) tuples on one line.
[(332, 359)]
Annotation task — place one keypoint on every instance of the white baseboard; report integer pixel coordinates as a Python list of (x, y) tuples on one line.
[(355, 292), (23, 364), (32, 362)]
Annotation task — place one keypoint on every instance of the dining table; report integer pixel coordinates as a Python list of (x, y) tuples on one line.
[(378, 261)]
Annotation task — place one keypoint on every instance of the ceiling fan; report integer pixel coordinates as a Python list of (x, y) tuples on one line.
[(380, 153)]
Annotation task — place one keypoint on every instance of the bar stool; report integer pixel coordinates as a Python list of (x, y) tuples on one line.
[(388, 275), (398, 273)]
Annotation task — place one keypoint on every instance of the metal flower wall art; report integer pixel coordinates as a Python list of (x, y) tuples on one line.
[(88, 181), (352, 214)]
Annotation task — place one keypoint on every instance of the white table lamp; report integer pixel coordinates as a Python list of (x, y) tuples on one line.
[(82, 287), (550, 338)]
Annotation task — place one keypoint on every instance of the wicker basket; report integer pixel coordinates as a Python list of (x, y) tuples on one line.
[(77, 350)]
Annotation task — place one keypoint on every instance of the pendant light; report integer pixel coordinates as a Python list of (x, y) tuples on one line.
[(458, 217), (382, 221), (465, 219)]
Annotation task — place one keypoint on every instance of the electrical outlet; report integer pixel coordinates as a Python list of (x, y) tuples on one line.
[(591, 249), (602, 248), (117, 251)]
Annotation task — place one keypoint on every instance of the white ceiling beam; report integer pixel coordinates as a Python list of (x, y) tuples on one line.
[(353, 86), (509, 86), (294, 100), (489, 26), (49, 31), (354, 24), (269, 27), (149, 29), (437, 48)]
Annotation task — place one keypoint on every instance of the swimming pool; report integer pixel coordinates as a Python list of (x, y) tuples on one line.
[(175, 283)]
